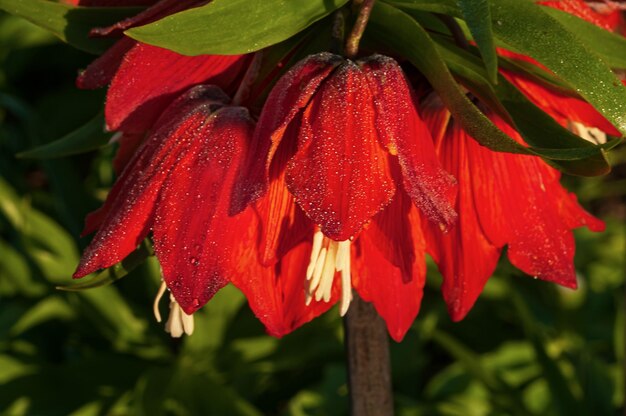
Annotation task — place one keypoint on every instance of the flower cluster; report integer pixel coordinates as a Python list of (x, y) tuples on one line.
[(349, 176)]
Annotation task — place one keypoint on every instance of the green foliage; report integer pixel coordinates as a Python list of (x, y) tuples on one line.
[(70, 24), (528, 347), (230, 27)]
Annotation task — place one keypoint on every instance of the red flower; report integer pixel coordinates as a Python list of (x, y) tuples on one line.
[(178, 187), (341, 143), (504, 199), (143, 79), (578, 115)]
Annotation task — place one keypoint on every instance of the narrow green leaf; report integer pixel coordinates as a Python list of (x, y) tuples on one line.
[(230, 27), (449, 7), (48, 309), (68, 23), (113, 273), (527, 28), (402, 34), (477, 15), (610, 47), (537, 74), (563, 397), (89, 137), (538, 129)]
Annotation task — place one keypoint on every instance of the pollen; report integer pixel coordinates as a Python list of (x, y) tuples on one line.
[(327, 258), (178, 322)]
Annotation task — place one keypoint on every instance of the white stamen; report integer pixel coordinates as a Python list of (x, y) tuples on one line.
[(178, 322), (327, 258), (155, 305), (315, 252), (346, 283), (591, 134), (116, 137)]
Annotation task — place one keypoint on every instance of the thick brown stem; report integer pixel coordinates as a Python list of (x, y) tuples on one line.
[(352, 43), (369, 369)]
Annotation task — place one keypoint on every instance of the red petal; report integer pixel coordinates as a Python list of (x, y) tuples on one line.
[(158, 11), (561, 107), (128, 145), (284, 223), (396, 298), (192, 226), (392, 231), (289, 96), (127, 214), (580, 8), (151, 77), (100, 72), (404, 133), (466, 258), (340, 174), (276, 293), (520, 202)]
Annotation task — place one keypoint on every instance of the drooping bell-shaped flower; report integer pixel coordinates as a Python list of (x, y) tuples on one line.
[(144, 79), (571, 111), (341, 162), (504, 199), (178, 187)]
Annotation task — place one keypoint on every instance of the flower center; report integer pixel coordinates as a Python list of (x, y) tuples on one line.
[(327, 257), (178, 322)]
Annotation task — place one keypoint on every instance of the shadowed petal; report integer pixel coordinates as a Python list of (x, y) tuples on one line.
[(127, 214), (158, 11), (128, 145), (284, 223), (466, 258), (396, 299), (276, 294), (289, 96), (404, 134), (101, 71), (150, 77), (340, 173), (392, 232), (192, 224)]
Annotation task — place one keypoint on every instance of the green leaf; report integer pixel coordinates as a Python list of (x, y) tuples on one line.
[(400, 32), (477, 15), (536, 127), (68, 23), (230, 27), (449, 7), (113, 273), (610, 47), (48, 309), (527, 28), (563, 397), (89, 137)]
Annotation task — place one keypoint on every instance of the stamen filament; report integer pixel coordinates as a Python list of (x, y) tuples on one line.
[(178, 322), (155, 305), (327, 258)]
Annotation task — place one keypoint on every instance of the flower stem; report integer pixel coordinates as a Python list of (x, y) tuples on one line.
[(369, 369), (352, 43), (243, 92)]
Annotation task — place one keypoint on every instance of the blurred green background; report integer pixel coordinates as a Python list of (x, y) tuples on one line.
[(527, 348)]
